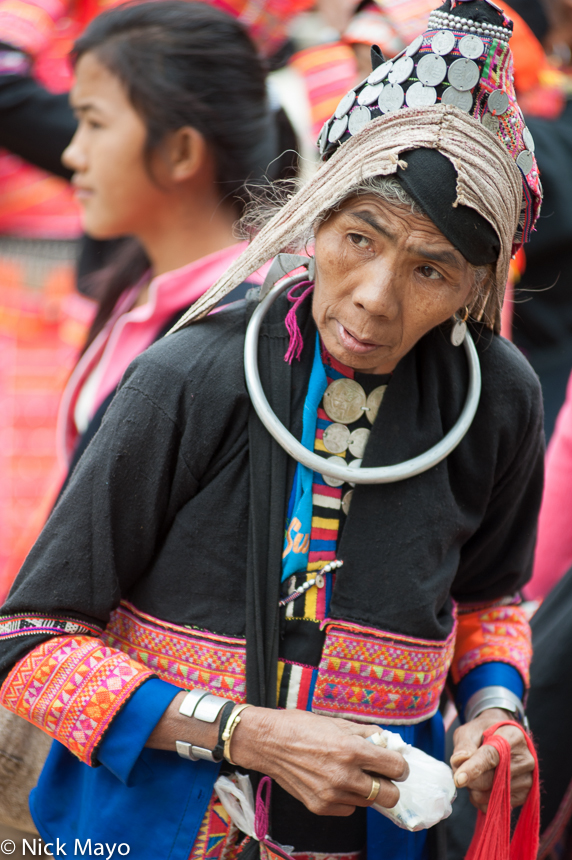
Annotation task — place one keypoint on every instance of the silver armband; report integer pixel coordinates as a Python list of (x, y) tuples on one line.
[(495, 697), (203, 706)]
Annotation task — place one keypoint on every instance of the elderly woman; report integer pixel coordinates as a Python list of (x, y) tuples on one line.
[(323, 555)]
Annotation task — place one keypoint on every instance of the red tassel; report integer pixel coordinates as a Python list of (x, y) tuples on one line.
[(492, 834)]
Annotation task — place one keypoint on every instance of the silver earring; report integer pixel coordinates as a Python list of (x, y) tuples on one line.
[(459, 329)]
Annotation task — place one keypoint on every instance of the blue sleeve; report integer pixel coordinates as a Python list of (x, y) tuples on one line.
[(487, 675), (126, 737)]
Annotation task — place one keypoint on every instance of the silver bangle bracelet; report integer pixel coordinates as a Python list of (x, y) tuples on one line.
[(192, 752), (203, 706), (495, 697), (191, 701)]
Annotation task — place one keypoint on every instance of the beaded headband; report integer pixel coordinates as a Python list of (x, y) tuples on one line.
[(463, 59)]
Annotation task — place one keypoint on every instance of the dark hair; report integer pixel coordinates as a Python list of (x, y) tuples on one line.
[(187, 63)]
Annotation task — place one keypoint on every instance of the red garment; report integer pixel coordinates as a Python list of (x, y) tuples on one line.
[(554, 546)]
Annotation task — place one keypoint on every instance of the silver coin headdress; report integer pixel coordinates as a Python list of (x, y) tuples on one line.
[(450, 90)]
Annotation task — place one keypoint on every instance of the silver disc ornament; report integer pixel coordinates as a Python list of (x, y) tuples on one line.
[(346, 501), (443, 42), (358, 441), (431, 69), (336, 438), (323, 138), (463, 74), (498, 102), (528, 139), (391, 98), (374, 402), (345, 104), (490, 122), (525, 161), (471, 47), (401, 70), (359, 118), (458, 332), (334, 482), (415, 46), (370, 94), (453, 96), (380, 73), (344, 400), (338, 129), (418, 95)]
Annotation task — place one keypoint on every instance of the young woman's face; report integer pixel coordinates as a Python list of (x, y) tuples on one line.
[(384, 278), (112, 183)]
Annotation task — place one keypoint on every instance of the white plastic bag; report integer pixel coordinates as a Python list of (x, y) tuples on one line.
[(238, 800), (425, 797)]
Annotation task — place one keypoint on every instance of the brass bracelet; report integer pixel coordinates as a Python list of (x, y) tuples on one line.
[(232, 723)]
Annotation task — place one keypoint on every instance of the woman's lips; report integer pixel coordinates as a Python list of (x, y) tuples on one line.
[(353, 344), (82, 193)]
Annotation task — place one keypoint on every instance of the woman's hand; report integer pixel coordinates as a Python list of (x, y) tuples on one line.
[(322, 761), (474, 765)]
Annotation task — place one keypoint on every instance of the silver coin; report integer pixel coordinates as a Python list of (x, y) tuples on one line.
[(391, 98), (336, 438), (458, 332), (359, 118), (471, 47), (370, 94), (431, 69), (343, 400), (355, 464), (528, 139), (401, 70), (374, 402), (491, 122), (334, 482), (443, 42), (346, 501), (452, 96), (323, 138), (525, 161), (380, 73), (358, 441), (338, 129), (414, 46), (463, 74), (418, 95), (345, 104), (498, 102)]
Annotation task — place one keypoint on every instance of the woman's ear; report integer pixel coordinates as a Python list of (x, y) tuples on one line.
[(187, 153)]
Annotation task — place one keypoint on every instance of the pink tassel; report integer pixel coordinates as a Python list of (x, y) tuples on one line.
[(262, 808), (296, 344)]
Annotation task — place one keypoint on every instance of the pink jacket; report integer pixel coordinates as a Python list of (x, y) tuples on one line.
[(554, 547), (130, 330)]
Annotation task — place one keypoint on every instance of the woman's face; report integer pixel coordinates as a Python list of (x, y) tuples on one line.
[(384, 278), (113, 187)]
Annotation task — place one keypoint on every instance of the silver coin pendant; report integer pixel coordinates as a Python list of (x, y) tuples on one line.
[(401, 70), (345, 104), (415, 45), (370, 94), (458, 332), (471, 47), (358, 441), (443, 42), (431, 69), (336, 438), (359, 118), (498, 102), (452, 96), (374, 402), (343, 400), (380, 73), (418, 95), (463, 74), (525, 161), (391, 98), (490, 122), (346, 501), (334, 482), (338, 129)]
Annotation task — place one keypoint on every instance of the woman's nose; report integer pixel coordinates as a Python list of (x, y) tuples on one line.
[(378, 292), (73, 157)]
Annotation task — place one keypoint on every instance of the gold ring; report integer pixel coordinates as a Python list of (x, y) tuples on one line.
[(375, 786)]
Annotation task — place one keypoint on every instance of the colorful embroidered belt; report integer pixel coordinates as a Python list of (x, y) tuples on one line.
[(374, 676), (181, 655)]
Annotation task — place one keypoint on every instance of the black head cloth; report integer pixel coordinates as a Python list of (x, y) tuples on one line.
[(431, 180)]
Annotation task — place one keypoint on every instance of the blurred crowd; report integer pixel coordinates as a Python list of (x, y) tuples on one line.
[(76, 308)]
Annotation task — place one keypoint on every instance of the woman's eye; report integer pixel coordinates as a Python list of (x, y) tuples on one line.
[(430, 273), (358, 240)]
